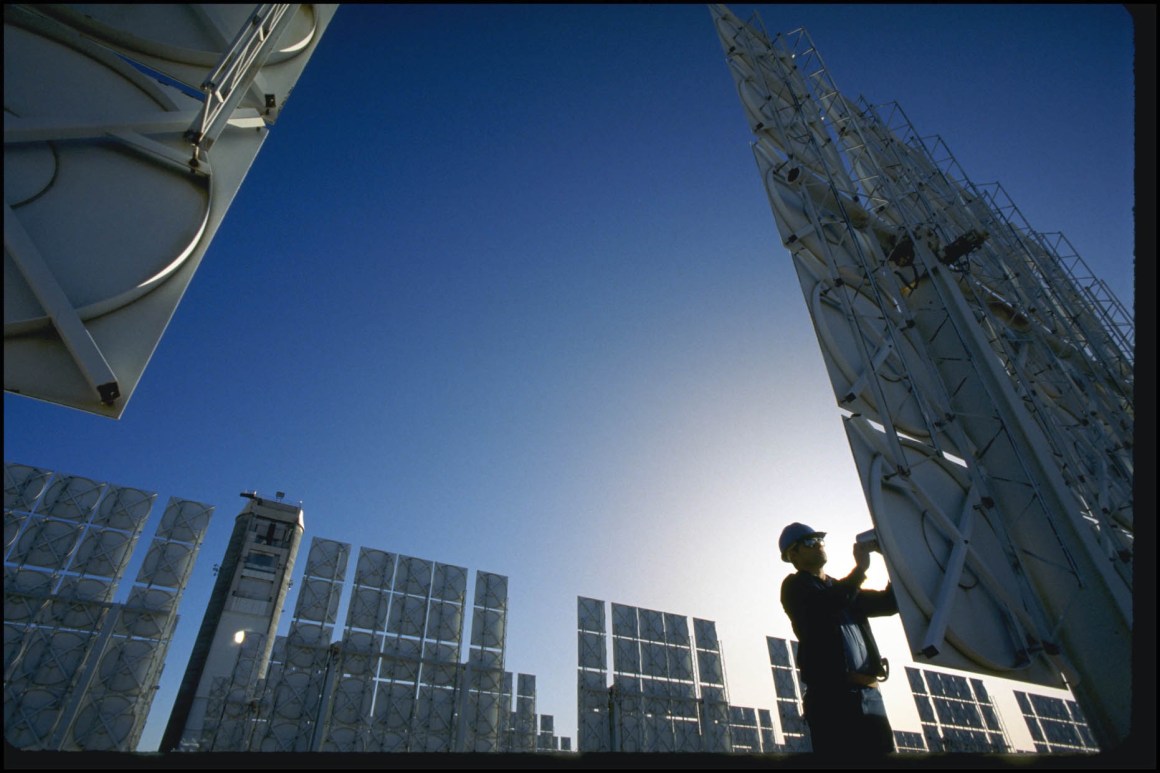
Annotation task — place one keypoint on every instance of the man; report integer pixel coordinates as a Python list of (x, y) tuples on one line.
[(837, 654)]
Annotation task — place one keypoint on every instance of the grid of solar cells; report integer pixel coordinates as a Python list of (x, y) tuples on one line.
[(787, 688), (430, 608), (394, 682), (546, 740), (112, 710), (654, 690), (486, 719), (711, 685), (79, 670), (745, 734), (295, 722), (523, 735), (592, 696), (909, 741), (668, 682), (956, 713), (765, 728), (227, 723), (1055, 725)]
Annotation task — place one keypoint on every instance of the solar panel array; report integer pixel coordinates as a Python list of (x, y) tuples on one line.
[(788, 690), (751, 730), (956, 713), (668, 689), (1056, 725), (486, 713), (394, 682), (909, 741), (80, 671), (295, 722)]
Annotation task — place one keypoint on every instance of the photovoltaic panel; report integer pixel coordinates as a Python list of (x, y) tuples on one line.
[(368, 608), (449, 583), (1056, 725), (652, 626), (446, 621), (403, 648), (360, 653), (705, 634), (590, 646), (414, 576), (592, 696), (327, 559), (47, 543), (13, 523), (120, 645), (487, 628), (676, 629), (104, 553), (590, 615), (107, 725), (147, 612), (23, 485), (418, 696), (318, 600), (124, 508), (407, 615), (168, 564), (491, 590), (489, 663), (783, 683), (624, 621), (954, 718), (375, 568), (778, 651), (788, 689), (71, 497), (24, 592), (84, 590), (626, 655), (184, 521), (709, 667)]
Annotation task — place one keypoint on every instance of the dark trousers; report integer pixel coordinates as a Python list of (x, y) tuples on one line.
[(848, 722)]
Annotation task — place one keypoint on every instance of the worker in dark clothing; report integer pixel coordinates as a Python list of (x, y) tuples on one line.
[(838, 657)]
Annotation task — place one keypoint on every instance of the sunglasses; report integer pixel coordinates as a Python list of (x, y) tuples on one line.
[(812, 542)]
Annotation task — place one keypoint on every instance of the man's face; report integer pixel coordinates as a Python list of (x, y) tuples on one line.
[(808, 553)]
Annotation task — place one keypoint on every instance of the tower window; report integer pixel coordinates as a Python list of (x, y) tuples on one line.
[(262, 562)]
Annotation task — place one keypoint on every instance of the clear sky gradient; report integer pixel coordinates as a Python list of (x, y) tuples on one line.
[(503, 290)]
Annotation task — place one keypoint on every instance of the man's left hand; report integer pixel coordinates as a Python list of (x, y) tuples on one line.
[(861, 556)]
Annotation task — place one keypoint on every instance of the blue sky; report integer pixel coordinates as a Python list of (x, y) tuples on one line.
[(503, 290)]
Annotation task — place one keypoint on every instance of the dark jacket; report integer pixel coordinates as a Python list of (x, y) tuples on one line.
[(814, 608)]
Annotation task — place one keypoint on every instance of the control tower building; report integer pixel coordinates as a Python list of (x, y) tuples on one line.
[(247, 600)]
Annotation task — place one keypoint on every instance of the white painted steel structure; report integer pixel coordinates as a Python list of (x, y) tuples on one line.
[(244, 609), (128, 129), (986, 376), (80, 671)]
